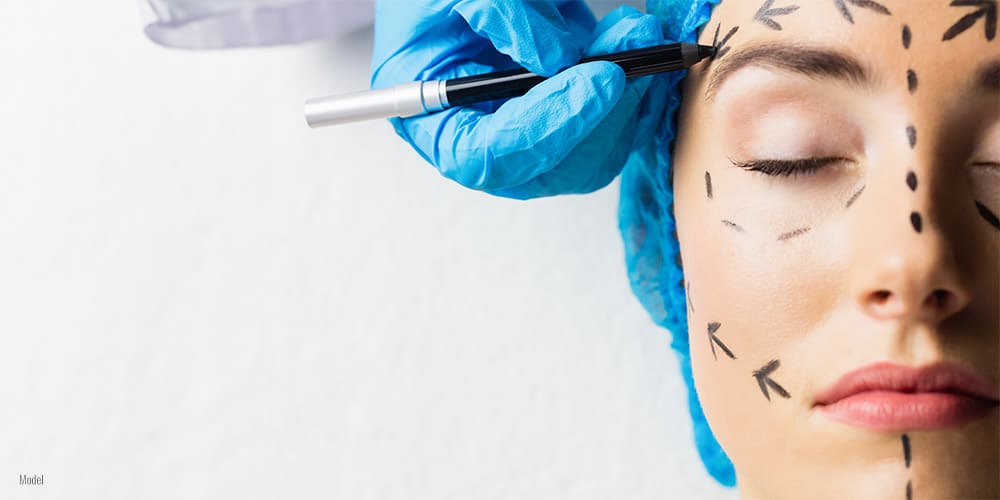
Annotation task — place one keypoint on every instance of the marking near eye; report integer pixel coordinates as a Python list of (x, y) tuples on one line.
[(906, 450), (708, 185), (764, 380), (721, 47), (909, 490), (867, 4), (791, 234), (911, 136), (988, 215), (734, 226), (911, 180), (907, 37), (854, 197), (985, 8), (916, 221), (765, 13), (713, 340), (911, 80)]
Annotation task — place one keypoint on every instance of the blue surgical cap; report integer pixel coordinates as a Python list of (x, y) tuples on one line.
[(646, 220)]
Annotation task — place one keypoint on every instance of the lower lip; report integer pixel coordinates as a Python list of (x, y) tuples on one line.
[(897, 411)]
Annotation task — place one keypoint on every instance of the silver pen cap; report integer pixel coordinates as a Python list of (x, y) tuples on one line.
[(408, 99)]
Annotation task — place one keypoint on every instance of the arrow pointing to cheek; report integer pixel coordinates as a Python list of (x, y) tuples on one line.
[(764, 380), (713, 340)]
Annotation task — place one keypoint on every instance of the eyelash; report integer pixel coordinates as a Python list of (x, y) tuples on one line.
[(787, 168)]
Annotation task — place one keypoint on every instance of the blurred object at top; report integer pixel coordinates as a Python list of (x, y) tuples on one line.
[(219, 24)]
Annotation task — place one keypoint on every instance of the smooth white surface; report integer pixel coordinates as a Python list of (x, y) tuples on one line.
[(201, 297)]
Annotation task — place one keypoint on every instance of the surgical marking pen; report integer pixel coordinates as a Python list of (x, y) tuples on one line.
[(417, 98)]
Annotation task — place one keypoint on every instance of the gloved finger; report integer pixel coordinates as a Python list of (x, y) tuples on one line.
[(579, 19), (598, 159), (534, 34), (524, 137), (625, 28)]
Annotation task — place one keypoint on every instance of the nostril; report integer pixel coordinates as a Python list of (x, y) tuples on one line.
[(880, 297), (938, 300)]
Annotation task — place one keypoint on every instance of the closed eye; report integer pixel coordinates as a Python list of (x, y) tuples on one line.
[(788, 168)]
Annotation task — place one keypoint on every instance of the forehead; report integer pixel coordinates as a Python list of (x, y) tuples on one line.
[(943, 41)]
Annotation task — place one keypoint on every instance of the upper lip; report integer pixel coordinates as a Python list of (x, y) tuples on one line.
[(938, 377)]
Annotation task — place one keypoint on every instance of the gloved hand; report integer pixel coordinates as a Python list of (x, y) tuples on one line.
[(570, 134)]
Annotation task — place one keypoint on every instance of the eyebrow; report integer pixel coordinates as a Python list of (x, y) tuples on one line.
[(812, 62), (988, 76)]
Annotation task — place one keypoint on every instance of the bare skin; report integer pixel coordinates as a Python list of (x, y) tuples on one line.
[(879, 248)]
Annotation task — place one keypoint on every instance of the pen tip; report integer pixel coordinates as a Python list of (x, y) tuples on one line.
[(706, 51)]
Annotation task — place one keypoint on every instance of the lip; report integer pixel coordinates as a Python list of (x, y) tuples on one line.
[(890, 397)]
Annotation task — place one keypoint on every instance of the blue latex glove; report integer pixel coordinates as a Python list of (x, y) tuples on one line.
[(570, 134)]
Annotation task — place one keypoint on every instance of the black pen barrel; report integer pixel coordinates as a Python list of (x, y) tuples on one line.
[(421, 97), (517, 82)]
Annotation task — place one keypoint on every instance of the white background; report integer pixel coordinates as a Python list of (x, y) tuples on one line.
[(200, 297)]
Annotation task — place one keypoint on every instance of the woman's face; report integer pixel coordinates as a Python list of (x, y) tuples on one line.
[(837, 189)]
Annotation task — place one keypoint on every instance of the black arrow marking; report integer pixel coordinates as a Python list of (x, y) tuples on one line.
[(854, 197), (866, 4), (906, 450), (987, 9), (720, 47), (791, 234), (765, 13), (990, 217), (764, 380), (916, 221), (734, 226), (712, 340)]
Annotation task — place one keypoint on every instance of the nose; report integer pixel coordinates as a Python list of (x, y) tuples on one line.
[(907, 275), (909, 288)]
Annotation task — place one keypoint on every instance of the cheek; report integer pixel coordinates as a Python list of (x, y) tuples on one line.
[(762, 300)]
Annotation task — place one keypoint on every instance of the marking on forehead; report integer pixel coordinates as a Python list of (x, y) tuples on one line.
[(765, 13), (708, 184), (988, 215), (916, 221), (791, 234), (911, 180), (764, 380), (911, 80), (984, 9), (721, 47), (734, 226), (907, 37), (911, 136), (866, 4), (713, 340), (854, 197)]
